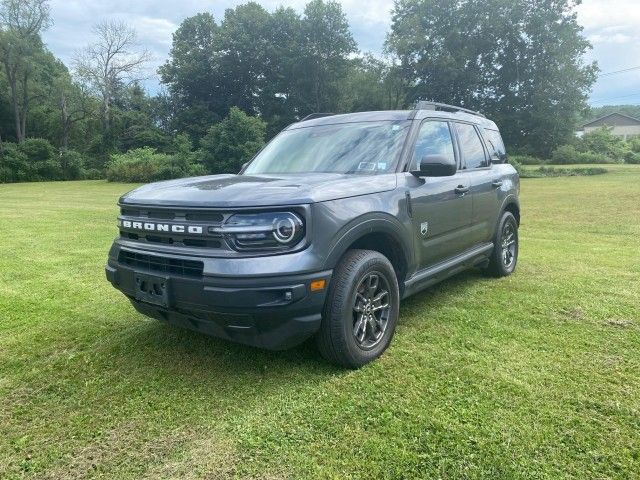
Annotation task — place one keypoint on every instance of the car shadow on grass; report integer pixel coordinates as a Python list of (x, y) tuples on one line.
[(166, 346)]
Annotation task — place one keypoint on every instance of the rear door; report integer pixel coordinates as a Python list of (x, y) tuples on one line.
[(484, 181), (441, 206)]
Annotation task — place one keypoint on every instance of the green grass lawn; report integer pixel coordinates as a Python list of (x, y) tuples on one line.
[(532, 376)]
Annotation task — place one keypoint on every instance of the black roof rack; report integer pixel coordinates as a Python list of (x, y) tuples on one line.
[(428, 105), (316, 115)]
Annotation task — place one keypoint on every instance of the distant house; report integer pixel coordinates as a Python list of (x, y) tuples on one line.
[(621, 125)]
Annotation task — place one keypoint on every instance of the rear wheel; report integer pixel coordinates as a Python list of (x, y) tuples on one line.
[(505, 251), (361, 310)]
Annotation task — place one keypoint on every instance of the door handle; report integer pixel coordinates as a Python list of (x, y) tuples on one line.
[(497, 184), (461, 189)]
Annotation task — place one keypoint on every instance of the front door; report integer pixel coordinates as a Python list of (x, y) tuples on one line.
[(441, 206)]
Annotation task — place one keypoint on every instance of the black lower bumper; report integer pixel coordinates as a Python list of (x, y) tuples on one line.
[(273, 313)]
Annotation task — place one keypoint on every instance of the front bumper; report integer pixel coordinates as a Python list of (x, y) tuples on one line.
[(275, 312)]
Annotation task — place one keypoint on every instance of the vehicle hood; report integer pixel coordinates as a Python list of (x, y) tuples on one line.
[(258, 191)]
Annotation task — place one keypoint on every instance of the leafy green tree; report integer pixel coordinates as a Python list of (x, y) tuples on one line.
[(21, 53), (135, 123), (328, 43), (232, 142), (193, 77), (372, 84), (522, 62)]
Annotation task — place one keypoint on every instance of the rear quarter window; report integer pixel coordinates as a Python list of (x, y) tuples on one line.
[(495, 145)]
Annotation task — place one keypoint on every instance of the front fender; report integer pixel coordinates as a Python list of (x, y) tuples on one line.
[(375, 222)]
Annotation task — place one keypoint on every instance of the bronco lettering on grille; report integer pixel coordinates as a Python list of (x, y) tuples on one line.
[(161, 227)]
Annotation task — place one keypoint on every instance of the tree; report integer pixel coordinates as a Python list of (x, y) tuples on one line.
[(232, 142), (278, 65), (521, 62), (75, 105), (111, 63), (372, 84), (327, 46), (21, 49), (193, 77)]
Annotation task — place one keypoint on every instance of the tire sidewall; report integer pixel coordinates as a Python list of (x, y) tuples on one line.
[(507, 217), (379, 264)]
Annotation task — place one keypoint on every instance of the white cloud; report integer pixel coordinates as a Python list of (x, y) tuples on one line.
[(612, 28)]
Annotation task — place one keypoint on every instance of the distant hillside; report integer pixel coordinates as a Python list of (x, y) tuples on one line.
[(597, 112)]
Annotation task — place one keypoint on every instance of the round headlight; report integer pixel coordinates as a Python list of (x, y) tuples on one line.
[(284, 230)]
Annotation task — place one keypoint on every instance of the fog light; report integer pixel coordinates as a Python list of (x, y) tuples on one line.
[(317, 285)]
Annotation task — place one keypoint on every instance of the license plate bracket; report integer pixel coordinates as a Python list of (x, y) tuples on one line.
[(152, 289)]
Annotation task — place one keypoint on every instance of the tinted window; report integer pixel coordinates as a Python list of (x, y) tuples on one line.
[(495, 144), (357, 148), (471, 146), (434, 138)]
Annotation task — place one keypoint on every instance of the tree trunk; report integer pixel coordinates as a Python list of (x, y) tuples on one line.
[(106, 124), (24, 109), (64, 119), (13, 87)]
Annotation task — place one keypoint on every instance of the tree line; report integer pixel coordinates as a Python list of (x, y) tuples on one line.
[(231, 83)]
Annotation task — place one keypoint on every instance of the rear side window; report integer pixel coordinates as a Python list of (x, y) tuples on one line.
[(472, 149), (434, 138), (495, 145)]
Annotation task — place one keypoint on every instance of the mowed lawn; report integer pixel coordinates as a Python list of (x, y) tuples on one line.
[(532, 376)]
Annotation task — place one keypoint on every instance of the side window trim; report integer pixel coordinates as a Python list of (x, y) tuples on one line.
[(414, 141), (487, 157)]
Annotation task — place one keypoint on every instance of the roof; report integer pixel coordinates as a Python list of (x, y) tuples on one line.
[(616, 118), (393, 115)]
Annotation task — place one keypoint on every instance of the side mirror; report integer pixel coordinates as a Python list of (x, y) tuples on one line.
[(436, 166)]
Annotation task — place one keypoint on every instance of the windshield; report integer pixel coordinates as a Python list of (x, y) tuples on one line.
[(363, 148)]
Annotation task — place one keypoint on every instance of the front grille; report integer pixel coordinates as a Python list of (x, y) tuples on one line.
[(202, 218), (154, 263)]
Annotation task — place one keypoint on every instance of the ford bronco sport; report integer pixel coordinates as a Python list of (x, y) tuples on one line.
[(324, 231)]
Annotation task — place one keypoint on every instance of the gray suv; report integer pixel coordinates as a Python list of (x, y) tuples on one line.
[(324, 231)]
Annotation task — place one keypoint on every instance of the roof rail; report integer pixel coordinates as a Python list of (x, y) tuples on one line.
[(428, 105), (312, 116)]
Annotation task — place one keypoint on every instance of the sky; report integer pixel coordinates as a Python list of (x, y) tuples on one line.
[(610, 25)]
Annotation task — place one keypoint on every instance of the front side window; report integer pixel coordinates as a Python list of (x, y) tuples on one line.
[(434, 138), (472, 149), (355, 148)]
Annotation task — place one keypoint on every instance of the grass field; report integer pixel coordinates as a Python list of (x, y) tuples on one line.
[(532, 376)]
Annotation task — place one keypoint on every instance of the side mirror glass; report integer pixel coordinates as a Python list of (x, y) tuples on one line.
[(436, 166)]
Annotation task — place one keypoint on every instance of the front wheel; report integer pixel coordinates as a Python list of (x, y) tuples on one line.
[(505, 250), (361, 310)]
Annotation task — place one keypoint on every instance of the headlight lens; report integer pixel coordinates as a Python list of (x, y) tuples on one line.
[(264, 231)]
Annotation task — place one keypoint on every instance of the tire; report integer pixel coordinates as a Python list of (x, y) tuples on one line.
[(504, 257), (356, 328)]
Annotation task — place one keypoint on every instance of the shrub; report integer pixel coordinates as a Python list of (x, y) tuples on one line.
[(138, 165), (567, 155), (526, 159), (232, 142), (143, 165), (72, 164), (37, 149), (14, 164), (633, 158), (513, 160), (603, 143), (634, 144), (41, 155)]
